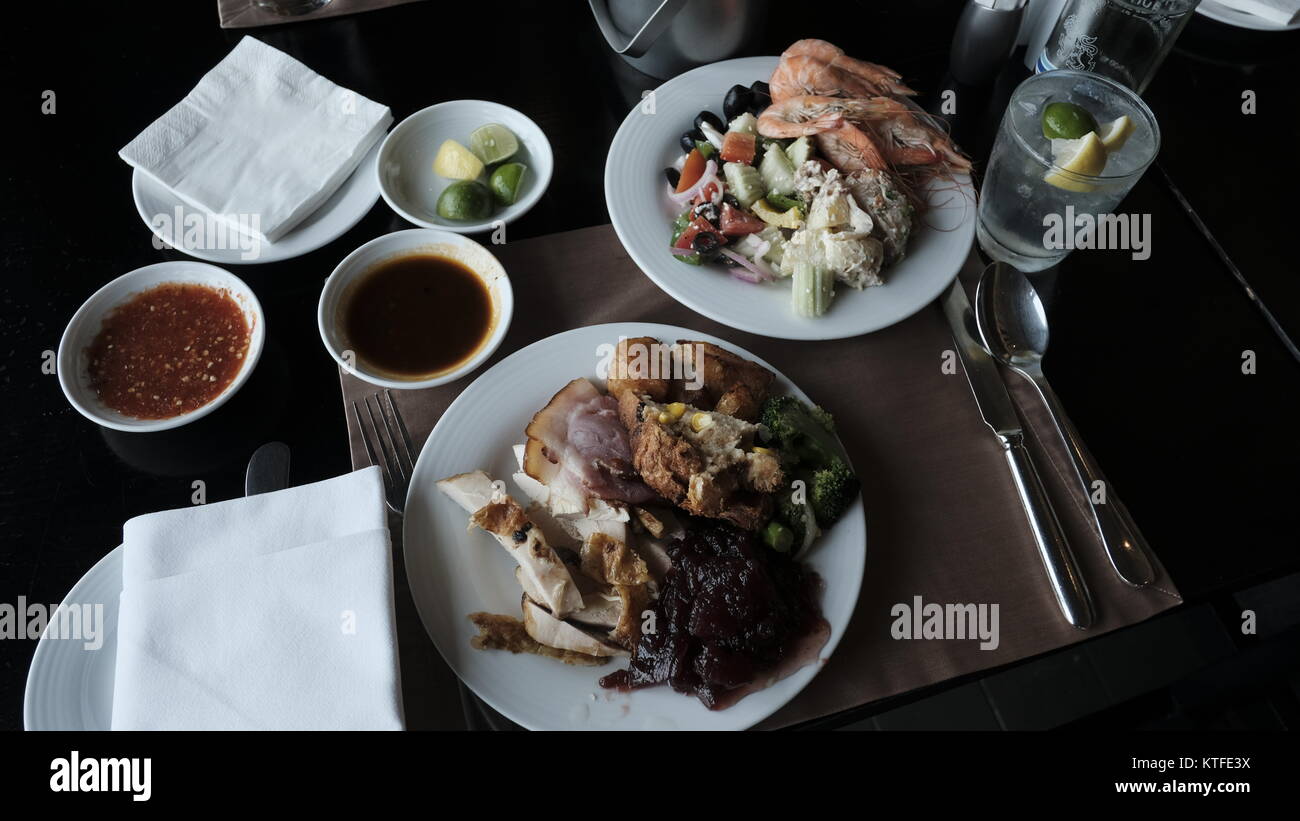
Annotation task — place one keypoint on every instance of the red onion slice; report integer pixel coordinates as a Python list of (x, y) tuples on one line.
[(751, 272), (710, 175)]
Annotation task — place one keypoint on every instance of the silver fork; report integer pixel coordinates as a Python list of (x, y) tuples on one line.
[(397, 474)]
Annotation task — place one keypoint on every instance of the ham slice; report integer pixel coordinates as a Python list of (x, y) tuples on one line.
[(579, 449)]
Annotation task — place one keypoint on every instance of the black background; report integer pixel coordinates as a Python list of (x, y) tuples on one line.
[(1146, 355)]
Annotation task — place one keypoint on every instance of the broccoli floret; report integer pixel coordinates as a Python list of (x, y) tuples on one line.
[(823, 418), (804, 434), (793, 516), (834, 488)]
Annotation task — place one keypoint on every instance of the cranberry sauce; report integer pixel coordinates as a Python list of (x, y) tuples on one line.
[(729, 610)]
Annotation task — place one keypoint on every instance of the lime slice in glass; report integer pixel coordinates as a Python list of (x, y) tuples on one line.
[(506, 181), (493, 143), (1066, 121), (465, 200)]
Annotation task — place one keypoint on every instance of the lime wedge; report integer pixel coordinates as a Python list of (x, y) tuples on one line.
[(1115, 133), (1073, 157), (506, 181), (465, 200), (1066, 121), (493, 143), (455, 162)]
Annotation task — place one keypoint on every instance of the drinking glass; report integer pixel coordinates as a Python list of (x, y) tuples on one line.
[(1018, 204)]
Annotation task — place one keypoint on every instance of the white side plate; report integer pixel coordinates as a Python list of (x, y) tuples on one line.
[(68, 686), (344, 209)]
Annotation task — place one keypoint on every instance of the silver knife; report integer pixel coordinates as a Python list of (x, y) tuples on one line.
[(268, 469), (1000, 415)]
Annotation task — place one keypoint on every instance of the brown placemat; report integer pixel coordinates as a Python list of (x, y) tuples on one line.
[(238, 14), (943, 520)]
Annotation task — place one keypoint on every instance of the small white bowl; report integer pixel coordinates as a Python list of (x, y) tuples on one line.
[(411, 188), (333, 299), (86, 323)]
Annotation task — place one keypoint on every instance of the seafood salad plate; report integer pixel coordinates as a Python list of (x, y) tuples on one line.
[(634, 526), (804, 196)]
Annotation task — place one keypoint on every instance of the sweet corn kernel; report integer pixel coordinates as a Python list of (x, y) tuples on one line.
[(700, 421), (676, 409), (758, 449), (664, 418)]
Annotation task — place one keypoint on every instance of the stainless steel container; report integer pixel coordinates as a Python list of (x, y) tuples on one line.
[(663, 38)]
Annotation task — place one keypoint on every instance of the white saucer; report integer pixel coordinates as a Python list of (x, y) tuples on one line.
[(352, 201)]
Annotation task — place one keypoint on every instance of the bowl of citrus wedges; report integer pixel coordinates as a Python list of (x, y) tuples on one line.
[(467, 166)]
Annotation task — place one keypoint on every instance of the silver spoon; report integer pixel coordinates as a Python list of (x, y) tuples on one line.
[(1013, 326)]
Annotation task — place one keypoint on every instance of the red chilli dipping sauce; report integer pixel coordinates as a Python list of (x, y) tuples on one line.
[(168, 350)]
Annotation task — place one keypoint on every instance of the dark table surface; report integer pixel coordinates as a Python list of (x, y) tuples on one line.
[(1147, 355)]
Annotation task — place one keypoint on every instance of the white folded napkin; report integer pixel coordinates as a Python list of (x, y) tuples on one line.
[(260, 136), (268, 612), (1282, 12)]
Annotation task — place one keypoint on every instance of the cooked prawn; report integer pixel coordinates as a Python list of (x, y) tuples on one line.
[(801, 116), (851, 149), (909, 135), (902, 134), (818, 68)]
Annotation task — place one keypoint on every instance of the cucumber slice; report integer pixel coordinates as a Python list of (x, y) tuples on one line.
[(800, 151), (746, 124), (777, 171), (744, 182), (811, 289)]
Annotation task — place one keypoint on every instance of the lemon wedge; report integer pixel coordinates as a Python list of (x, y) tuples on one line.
[(1085, 155), (1115, 133), (456, 162)]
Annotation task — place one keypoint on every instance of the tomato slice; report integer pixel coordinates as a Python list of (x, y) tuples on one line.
[(692, 170), (698, 225), (736, 223), (739, 147)]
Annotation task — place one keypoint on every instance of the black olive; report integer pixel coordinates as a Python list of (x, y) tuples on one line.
[(759, 98), (705, 242), (736, 102), (760, 87), (730, 200), (709, 211), (710, 118), (674, 176), (689, 139)]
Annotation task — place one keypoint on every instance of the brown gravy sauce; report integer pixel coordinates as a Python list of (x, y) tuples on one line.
[(417, 315)]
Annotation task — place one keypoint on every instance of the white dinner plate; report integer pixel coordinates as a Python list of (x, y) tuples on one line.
[(453, 573), (344, 209), (1240, 19), (68, 686), (637, 196)]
